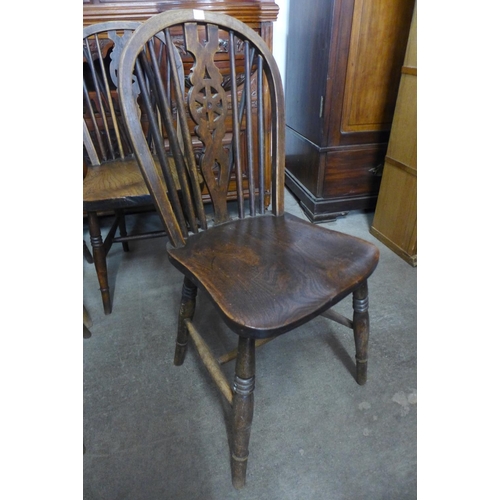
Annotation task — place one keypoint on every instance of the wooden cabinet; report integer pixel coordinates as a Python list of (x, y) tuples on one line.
[(395, 219), (259, 14), (343, 68)]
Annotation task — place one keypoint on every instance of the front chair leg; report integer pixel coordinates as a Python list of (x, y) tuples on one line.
[(244, 384), (186, 311), (361, 327)]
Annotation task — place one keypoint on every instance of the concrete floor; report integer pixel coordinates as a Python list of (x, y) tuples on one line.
[(156, 431)]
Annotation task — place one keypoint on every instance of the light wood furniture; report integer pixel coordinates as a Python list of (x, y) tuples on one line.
[(265, 271), (342, 75), (395, 220)]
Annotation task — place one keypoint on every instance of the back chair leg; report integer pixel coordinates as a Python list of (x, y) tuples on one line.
[(361, 327), (99, 256), (186, 311), (244, 384), (123, 228)]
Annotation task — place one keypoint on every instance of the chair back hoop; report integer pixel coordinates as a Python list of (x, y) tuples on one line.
[(222, 123)]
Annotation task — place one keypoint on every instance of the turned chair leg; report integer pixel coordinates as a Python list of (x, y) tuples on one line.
[(186, 311), (123, 228), (99, 256), (244, 384), (361, 327)]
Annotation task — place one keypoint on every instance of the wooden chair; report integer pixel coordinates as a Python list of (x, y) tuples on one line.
[(113, 183), (266, 271)]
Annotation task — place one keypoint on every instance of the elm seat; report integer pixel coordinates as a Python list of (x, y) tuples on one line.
[(123, 178), (271, 260), (266, 271)]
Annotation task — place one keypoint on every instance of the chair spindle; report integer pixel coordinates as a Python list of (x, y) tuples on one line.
[(109, 101), (260, 119), (235, 146), (99, 98), (249, 131), (166, 118), (158, 140), (89, 104)]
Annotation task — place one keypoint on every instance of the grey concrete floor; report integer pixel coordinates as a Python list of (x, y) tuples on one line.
[(156, 431)]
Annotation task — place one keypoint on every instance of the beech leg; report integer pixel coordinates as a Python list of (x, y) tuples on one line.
[(361, 327), (123, 228), (244, 384), (99, 256), (186, 311)]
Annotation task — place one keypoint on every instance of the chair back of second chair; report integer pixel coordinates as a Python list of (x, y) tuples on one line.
[(113, 182)]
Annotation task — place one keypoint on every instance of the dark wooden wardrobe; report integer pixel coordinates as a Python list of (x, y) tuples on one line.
[(343, 68)]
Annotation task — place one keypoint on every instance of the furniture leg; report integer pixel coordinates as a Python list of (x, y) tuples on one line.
[(99, 255), (123, 228), (361, 327), (243, 403), (186, 311)]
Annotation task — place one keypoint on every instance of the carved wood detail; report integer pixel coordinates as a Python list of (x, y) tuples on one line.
[(207, 104)]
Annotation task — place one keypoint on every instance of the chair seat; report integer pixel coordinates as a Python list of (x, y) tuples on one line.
[(118, 184), (270, 274)]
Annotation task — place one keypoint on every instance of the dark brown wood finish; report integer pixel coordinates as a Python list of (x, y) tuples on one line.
[(251, 12), (361, 327), (288, 294), (343, 69), (186, 311), (243, 405), (266, 271)]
